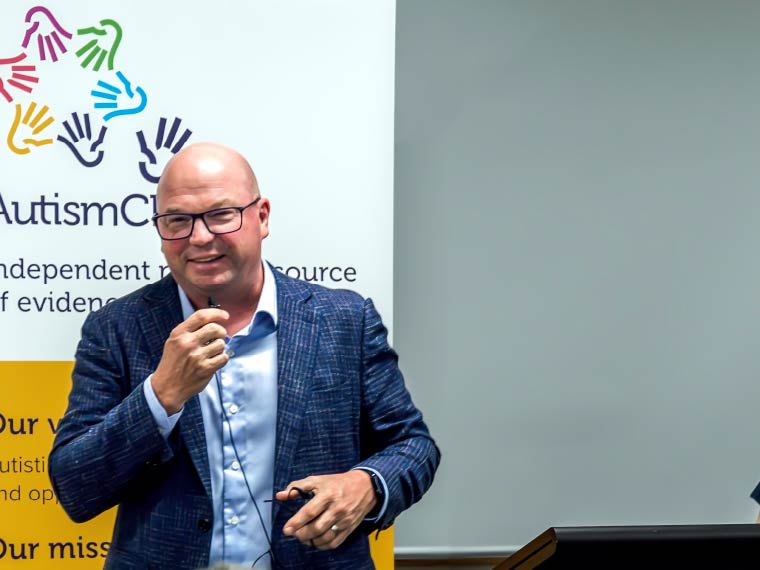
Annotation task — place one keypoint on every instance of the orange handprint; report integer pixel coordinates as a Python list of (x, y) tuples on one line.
[(30, 125)]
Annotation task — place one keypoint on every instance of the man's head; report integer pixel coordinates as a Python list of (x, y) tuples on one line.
[(202, 177)]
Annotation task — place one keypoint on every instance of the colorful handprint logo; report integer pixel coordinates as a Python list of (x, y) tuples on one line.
[(114, 94)]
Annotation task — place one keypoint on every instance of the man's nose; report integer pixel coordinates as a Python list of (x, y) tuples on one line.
[(200, 234)]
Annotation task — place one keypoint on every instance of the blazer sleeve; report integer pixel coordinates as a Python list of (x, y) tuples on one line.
[(107, 440), (395, 439)]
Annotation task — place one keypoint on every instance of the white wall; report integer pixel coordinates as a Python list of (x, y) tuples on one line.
[(577, 222)]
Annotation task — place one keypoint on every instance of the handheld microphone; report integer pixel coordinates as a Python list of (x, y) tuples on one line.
[(211, 305)]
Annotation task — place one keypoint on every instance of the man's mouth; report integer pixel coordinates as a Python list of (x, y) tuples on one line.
[(208, 259)]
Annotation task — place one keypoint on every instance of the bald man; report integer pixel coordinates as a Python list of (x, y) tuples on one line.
[(232, 413)]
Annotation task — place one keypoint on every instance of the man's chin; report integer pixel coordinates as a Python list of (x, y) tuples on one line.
[(209, 286), (203, 280), (205, 287)]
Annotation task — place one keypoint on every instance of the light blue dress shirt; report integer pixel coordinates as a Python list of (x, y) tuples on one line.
[(241, 441)]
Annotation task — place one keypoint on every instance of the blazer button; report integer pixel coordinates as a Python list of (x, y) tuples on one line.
[(204, 525)]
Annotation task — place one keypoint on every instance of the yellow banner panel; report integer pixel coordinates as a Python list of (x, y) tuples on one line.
[(35, 533), (34, 530)]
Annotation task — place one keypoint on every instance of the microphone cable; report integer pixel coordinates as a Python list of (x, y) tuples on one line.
[(225, 418)]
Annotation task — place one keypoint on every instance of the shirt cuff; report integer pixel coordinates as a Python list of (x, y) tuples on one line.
[(164, 421), (380, 514)]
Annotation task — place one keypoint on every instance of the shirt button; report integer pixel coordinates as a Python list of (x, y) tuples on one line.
[(235, 466), (234, 520), (226, 380), (234, 409), (230, 352), (204, 525)]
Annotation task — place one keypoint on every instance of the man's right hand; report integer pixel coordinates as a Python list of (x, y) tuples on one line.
[(192, 354)]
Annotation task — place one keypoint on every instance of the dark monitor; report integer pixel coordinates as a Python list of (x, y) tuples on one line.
[(719, 546)]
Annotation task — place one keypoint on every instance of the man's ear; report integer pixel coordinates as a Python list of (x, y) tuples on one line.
[(264, 217)]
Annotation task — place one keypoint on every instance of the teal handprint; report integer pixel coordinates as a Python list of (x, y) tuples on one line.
[(109, 38), (123, 100)]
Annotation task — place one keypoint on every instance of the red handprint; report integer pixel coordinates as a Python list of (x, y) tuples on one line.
[(22, 76)]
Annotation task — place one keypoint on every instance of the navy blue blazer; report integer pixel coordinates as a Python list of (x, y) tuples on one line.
[(342, 403)]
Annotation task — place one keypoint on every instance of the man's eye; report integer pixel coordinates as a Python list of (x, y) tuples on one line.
[(221, 215), (176, 220)]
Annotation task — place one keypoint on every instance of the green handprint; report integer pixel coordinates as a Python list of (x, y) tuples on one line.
[(91, 50)]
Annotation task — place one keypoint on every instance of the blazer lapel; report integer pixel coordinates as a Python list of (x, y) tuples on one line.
[(163, 314), (191, 430), (297, 339)]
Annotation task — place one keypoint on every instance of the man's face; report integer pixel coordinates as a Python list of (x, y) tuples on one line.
[(205, 264)]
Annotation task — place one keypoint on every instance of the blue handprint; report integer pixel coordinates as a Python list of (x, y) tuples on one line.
[(166, 142), (82, 138), (110, 97)]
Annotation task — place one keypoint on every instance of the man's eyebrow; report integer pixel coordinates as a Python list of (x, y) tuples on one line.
[(214, 206)]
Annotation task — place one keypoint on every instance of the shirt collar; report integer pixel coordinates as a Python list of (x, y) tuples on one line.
[(267, 300)]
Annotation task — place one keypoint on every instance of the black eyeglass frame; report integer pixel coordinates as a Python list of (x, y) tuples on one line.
[(201, 215)]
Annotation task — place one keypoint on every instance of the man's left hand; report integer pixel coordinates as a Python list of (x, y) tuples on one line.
[(340, 503)]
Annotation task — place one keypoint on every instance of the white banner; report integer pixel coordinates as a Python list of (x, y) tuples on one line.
[(94, 98)]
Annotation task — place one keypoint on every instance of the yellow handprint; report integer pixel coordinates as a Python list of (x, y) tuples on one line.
[(32, 122)]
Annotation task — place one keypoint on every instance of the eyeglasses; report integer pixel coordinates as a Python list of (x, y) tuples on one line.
[(180, 225)]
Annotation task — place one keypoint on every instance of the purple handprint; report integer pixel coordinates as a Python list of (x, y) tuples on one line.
[(80, 141), (166, 142), (45, 41)]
